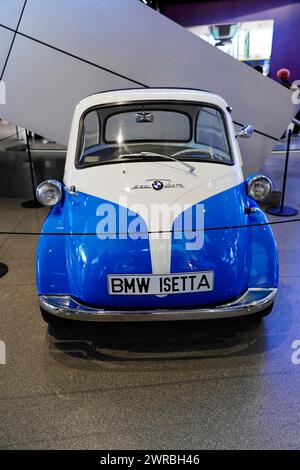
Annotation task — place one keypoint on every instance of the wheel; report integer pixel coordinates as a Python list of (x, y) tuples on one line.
[(51, 319), (265, 312)]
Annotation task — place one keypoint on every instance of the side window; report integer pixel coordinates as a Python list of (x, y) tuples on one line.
[(91, 130), (210, 130)]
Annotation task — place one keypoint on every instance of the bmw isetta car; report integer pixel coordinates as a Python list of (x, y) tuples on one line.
[(154, 219)]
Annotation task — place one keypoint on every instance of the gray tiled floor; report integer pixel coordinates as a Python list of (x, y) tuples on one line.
[(219, 384)]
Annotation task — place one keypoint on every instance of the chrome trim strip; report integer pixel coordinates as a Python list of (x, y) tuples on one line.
[(253, 301)]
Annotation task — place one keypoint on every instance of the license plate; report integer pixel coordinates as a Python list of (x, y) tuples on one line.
[(161, 284)]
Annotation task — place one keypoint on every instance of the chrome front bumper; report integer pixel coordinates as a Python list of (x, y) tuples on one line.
[(253, 301)]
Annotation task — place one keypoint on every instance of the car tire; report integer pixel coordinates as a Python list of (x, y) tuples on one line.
[(51, 319)]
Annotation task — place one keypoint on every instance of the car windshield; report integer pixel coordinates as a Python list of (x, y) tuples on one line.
[(152, 131)]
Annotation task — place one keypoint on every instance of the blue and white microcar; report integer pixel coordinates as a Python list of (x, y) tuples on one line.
[(154, 219)]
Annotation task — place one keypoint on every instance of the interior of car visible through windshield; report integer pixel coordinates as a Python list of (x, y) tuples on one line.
[(153, 130)]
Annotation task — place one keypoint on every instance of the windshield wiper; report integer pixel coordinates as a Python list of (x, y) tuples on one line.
[(153, 154)]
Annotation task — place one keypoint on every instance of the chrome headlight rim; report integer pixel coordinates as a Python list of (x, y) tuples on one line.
[(46, 186), (250, 187)]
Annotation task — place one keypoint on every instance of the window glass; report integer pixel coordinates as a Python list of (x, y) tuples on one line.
[(148, 126), (210, 130), (154, 131), (91, 129)]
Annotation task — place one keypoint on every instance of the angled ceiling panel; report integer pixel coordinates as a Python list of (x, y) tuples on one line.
[(254, 151), (6, 38), (129, 38), (48, 109), (135, 46), (10, 11)]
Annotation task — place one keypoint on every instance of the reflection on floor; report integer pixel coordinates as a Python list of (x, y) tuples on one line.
[(212, 384), (294, 145)]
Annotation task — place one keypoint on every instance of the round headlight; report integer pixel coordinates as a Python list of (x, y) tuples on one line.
[(259, 187), (49, 192)]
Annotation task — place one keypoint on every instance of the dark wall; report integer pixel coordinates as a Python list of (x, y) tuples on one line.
[(286, 15)]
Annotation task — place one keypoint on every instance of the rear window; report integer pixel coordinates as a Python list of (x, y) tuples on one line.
[(148, 126)]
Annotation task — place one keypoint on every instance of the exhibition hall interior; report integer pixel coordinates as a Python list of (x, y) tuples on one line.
[(149, 225)]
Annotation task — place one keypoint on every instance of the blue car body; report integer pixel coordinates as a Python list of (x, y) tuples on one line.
[(78, 252)]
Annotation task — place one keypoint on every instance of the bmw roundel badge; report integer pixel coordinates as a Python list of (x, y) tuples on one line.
[(157, 185)]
